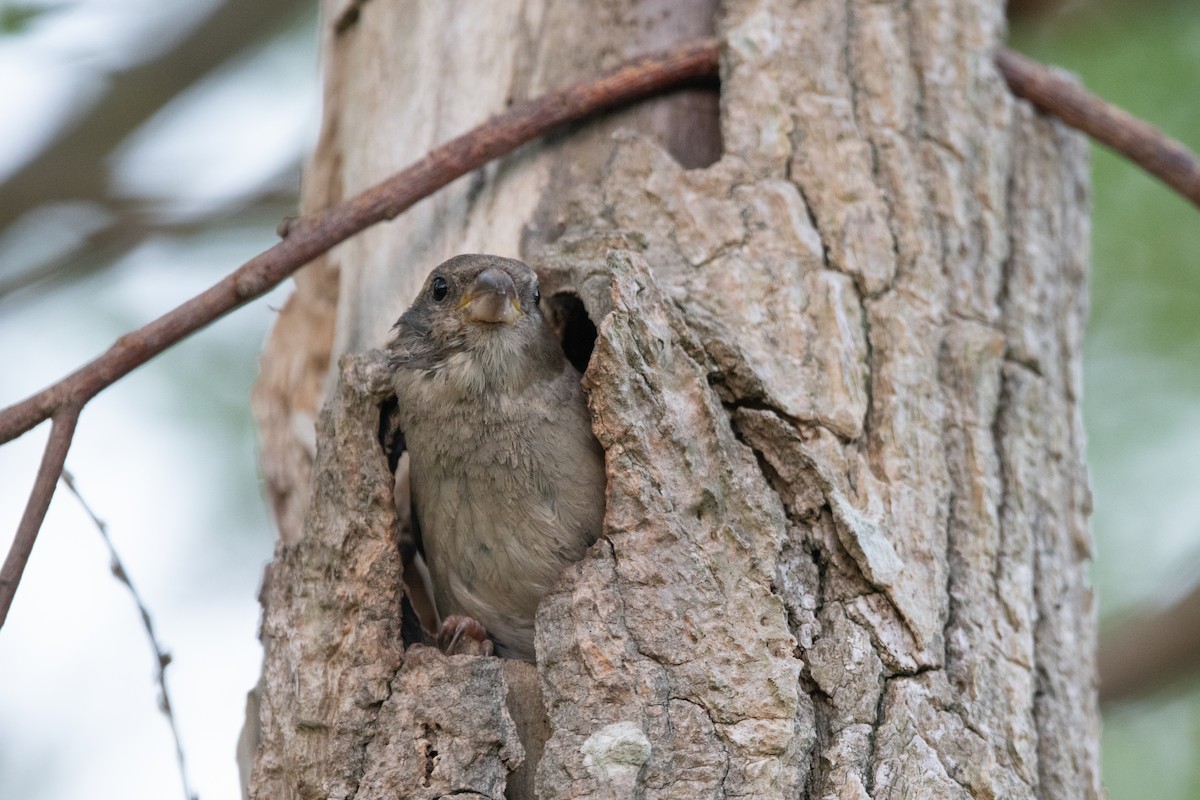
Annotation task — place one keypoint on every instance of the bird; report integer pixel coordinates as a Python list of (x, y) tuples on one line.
[(507, 476)]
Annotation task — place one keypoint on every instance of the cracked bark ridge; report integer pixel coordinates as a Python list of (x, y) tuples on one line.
[(668, 667), (883, 280), (442, 726), (344, 713)]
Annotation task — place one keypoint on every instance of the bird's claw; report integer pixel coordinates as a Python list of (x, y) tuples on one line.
[(462, 635)]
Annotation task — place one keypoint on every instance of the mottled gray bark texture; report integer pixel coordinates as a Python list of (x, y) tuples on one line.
[(836, 374)]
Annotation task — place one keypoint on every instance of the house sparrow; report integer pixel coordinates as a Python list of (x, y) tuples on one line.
[(507, 478)]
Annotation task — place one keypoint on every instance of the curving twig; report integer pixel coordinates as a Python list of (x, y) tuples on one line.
[(1143, 144), (308, 237)]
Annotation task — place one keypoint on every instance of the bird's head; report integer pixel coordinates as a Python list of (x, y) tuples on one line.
[(478, 317)]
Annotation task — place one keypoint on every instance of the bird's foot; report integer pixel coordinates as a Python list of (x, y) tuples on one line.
[(462, 635)]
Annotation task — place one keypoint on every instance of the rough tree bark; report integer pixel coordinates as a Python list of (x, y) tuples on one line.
[(836, 374)]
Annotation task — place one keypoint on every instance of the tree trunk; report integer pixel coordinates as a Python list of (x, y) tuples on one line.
[(836, 375)]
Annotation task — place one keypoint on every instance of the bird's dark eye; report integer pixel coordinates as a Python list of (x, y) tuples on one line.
[(439, 288), (537, 295)]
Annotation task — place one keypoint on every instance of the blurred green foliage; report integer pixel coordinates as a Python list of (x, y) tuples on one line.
[(1142, 363), (16, 17)]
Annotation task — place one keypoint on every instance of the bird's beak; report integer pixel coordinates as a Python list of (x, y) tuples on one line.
[(492, 298)]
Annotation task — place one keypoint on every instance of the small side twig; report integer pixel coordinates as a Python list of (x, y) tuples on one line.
[(161, 657), (62, 429), (1158, 154)]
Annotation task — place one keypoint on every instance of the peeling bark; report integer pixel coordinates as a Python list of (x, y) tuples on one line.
[(836, 375)]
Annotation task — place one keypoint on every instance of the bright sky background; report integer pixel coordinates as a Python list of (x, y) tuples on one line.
[(167, 456)]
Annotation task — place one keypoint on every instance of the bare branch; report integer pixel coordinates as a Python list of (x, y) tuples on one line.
[(307, 238), (55, 455), (102, 248), (1160, 155), (161, 657), (1150, 651)]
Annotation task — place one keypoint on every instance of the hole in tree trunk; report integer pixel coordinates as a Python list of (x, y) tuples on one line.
[(575, 330), (686, 122), (391, 438), (693, 134)]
